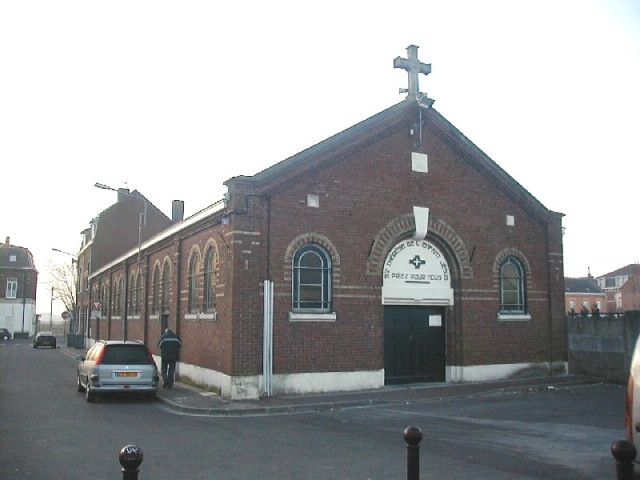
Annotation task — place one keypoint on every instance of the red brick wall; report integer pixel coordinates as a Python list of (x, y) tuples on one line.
[(358, 197), (360, 194)]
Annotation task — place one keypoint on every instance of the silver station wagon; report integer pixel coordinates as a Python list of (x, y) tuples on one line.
[(112, 367)]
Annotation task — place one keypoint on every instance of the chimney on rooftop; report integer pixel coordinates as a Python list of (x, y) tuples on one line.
[(8, 241), (123, 193), (177, 210)]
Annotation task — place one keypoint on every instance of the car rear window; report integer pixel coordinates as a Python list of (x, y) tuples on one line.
[(125, 355)]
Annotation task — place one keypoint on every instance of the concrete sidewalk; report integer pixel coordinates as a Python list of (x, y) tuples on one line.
[(188, 400)]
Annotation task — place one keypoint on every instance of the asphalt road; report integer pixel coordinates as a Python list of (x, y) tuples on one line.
[(48, 431)]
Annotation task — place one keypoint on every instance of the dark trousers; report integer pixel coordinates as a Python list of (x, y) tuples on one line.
[(168, 368)]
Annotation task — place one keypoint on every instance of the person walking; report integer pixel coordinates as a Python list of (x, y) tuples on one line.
[(169, 345)]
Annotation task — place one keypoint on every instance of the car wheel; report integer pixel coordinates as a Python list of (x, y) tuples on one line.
[(80, 387), (53, 346), (89, 395)]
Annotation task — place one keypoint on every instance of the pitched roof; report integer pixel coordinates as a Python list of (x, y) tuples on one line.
[(628, 270), (581, 285), (344, 143)]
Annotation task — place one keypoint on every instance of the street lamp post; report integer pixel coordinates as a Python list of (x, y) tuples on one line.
[(74, 310), (142, 221)]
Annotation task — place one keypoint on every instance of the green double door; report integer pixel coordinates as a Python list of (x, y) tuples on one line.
[(414, 344)]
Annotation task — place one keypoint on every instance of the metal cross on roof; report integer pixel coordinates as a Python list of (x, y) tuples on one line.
[(414, 67)]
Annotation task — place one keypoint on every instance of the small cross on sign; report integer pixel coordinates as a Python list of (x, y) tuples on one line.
[(417, 261)]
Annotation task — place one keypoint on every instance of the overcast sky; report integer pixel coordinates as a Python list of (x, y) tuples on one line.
[(174, 98)]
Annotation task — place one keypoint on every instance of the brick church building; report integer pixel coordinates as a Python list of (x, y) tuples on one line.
[(393, 252)]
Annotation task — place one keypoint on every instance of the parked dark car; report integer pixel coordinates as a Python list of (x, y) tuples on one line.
[(116, 366), (45, 339), (5, 334)]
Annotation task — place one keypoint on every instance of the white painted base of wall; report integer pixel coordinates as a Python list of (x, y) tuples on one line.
[(326, 382), (251, 387), (232, 388), (483, 373)]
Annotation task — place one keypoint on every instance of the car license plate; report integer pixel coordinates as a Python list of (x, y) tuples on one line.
[(126, 374)]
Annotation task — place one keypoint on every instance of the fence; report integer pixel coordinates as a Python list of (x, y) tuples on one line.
[(602, 346)]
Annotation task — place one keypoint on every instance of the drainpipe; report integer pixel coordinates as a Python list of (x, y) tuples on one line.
[(24, 299)]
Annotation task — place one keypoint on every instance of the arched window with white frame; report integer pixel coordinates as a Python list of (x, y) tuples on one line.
[(194, 274), (155, 301), (311, 279), (166, 279), (512, 286), (210, 280)]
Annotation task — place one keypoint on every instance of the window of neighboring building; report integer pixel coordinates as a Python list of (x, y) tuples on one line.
[(12, 288), (618, 299), (512, 293), (210, 279), (194, 274), (155, 301), (311, 279)]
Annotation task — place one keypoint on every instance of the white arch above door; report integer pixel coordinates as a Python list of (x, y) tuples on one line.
[(416, 273)]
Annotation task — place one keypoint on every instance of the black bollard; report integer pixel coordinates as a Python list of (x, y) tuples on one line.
[(130, 459), (413, 437), (625, 454)]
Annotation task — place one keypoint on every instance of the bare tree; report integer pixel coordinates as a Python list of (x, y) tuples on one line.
[(64, 280)]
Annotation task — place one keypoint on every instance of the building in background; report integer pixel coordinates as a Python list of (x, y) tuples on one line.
[(124, 226), (583, 296), (18, 281), (613, 282)]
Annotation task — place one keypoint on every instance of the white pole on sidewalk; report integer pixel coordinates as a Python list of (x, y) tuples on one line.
[(267, 340)]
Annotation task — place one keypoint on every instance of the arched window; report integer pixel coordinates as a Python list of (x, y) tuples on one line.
[(166, 273), (105, 301), (132, 295), (311, 279), (194, 274), (117, 297), (210, 280), (155, 301), (512, 291), (138, 303)]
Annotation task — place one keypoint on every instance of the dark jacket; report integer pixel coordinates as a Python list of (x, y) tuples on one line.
[(169, 345)]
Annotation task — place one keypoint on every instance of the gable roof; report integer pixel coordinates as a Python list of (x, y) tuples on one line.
[(582, 285), (624, 271), (394, 118)]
